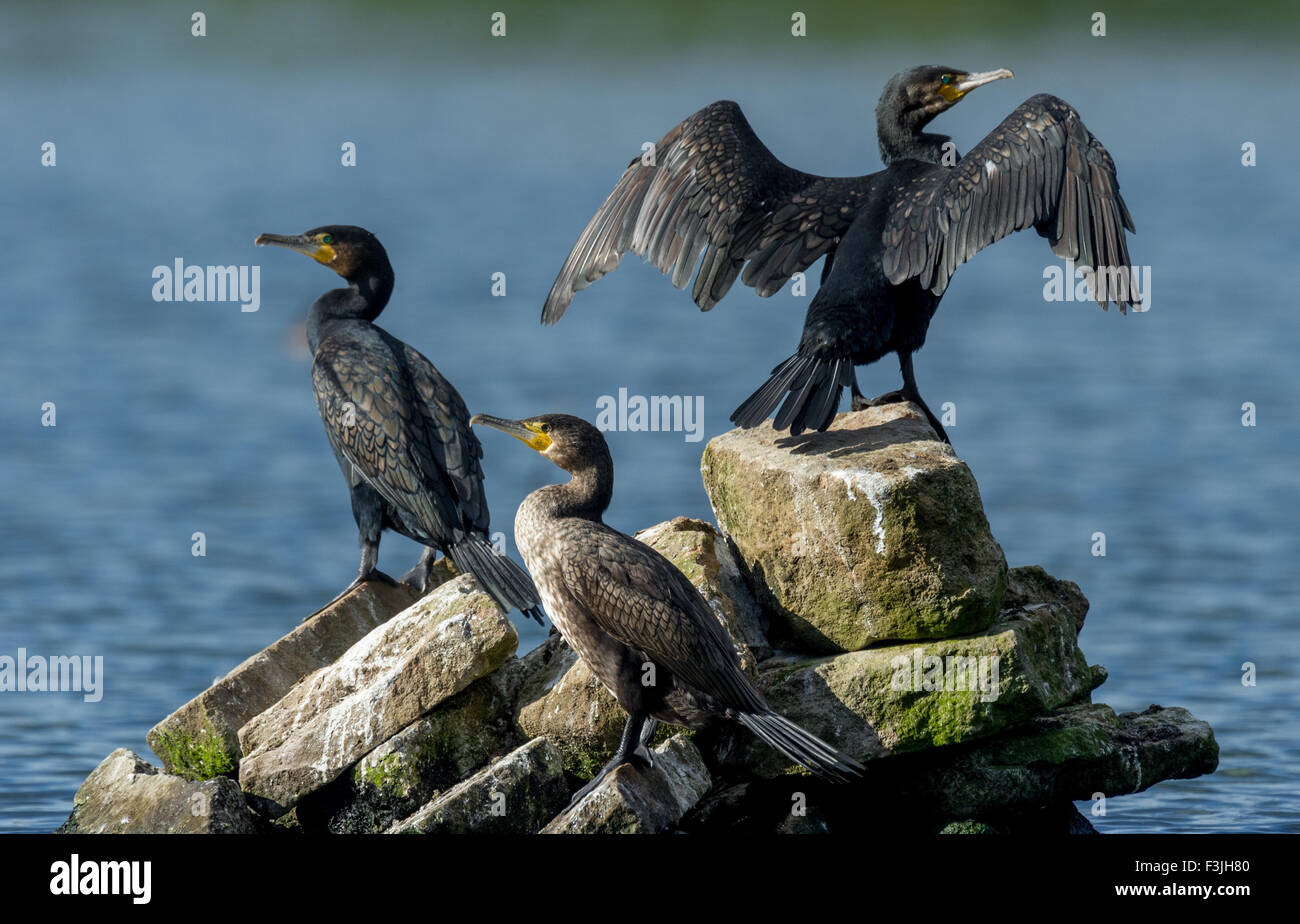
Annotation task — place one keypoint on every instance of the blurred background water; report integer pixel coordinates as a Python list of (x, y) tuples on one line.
[(478, 155)]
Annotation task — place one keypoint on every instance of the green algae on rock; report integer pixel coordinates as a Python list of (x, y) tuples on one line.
[(1071, 754)]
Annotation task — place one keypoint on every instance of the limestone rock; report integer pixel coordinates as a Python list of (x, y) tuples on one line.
[(906, 697), (701, 553), (1020, 781), (398, 672), (515, 795), (1066, 756), (429, 756), (127, 795), (1030, 585), (635, 801), (201, 739), (870, 531)]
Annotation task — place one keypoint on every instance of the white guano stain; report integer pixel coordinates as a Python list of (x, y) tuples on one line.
[(875, 487), (805, 496)]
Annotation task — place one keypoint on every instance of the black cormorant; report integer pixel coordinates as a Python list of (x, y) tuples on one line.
[(713, 195), (624, 607), (400, 431)]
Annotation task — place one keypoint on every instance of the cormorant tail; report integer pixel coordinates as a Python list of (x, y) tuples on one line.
[(811, 385), (502, 580), (801, 746)]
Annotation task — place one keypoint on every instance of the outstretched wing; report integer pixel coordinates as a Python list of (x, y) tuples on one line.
[(404, 429), (714, 196), (1039, 168), (641, 599)]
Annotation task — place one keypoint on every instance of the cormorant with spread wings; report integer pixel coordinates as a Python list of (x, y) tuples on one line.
[(714, 198)]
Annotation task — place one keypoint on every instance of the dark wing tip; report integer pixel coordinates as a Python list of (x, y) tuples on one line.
[(554, 309)]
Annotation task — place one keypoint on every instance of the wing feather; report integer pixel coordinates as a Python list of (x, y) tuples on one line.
[(637, 596), (1039, 168), (404, 429), (714, 200)]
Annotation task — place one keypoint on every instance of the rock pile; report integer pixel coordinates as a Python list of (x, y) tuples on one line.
[(857, 575)]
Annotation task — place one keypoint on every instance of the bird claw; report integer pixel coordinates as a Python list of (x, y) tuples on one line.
[(417, 577)]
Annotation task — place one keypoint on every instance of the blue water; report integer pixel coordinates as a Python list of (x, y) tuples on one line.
[(477, 158)]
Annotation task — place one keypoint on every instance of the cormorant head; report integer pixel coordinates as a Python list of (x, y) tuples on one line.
[(352, 252), (917, 95), (570, 442)]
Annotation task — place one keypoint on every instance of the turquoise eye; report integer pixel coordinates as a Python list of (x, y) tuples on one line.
[(327, 239), (946, 79)]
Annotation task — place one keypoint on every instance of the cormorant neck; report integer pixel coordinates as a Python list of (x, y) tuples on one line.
[(899, 125), (898, 141), (363, 300), (587, 493)]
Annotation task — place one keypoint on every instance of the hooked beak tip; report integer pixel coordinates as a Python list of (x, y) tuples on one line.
[(984, 77)]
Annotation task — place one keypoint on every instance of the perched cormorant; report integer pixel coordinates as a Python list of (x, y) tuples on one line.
[(399, 430), (713, 195), (623, 607)]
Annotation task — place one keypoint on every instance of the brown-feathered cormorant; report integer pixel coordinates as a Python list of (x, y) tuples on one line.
[(399, 430), (715, 196), (622, 607)]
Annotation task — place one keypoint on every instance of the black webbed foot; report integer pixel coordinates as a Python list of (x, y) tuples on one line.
[(374, 574), (632, 749)]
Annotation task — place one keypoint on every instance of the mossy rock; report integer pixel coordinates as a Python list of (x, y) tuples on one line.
[(870, 531), (913, 696), (431, 755), (197, 756)]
